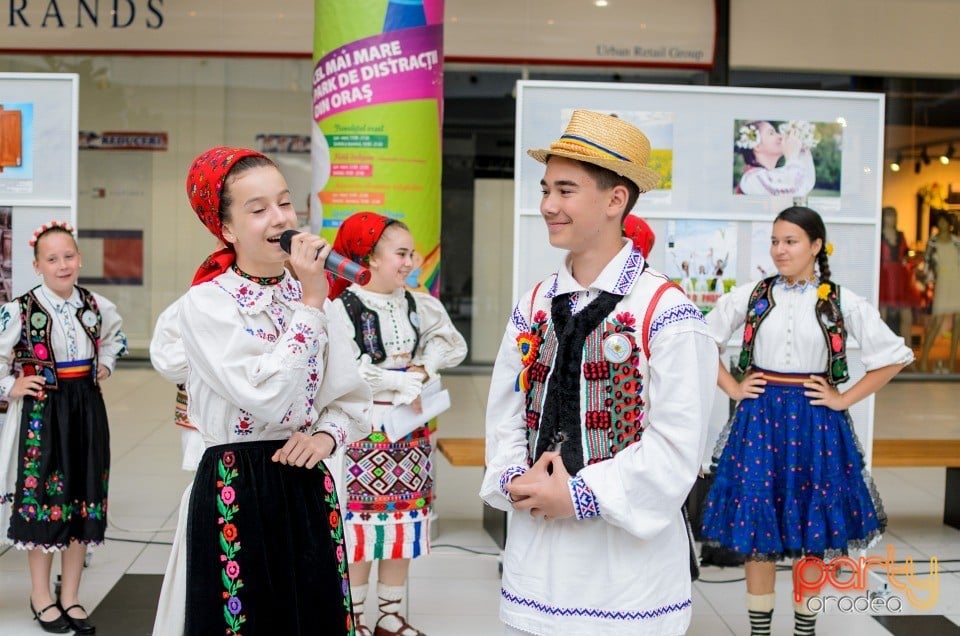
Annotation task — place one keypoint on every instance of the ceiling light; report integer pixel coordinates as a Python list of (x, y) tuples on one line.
[(947, 154), (600, 3), (895, 164)]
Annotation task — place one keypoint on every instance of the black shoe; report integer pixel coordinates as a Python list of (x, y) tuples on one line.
[(59, 625), (79, 625)]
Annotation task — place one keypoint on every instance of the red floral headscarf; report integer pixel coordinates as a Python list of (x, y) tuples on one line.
[(204, 187), (355, 239), (637, 230)]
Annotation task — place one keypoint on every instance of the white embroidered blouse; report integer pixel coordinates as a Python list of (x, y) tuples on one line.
[(441, 346), (68, 338), (790, 339), (262, 365)]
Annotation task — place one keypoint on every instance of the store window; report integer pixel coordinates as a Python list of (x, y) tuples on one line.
[(131, 199), (920, 237)]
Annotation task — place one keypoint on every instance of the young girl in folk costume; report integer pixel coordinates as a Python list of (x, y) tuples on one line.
[(401, 339), (790, 476), (273, 391), (57, 343)]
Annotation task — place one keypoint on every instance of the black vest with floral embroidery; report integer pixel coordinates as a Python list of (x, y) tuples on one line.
[(834, 332), (34, 352), (366, 325), (613, 407)]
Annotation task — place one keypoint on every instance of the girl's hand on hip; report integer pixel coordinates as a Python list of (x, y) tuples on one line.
[(822, 393), (102, 372), (31, 385), (304, 450), (751, 387)]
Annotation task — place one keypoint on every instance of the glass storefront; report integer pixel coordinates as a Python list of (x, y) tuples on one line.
[(197, 102)]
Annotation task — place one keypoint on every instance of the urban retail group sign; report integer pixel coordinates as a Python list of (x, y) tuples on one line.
[(635, 33)]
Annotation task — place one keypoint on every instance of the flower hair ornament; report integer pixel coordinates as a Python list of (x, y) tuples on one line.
[(749, 137), (828, 249), (37, 233)]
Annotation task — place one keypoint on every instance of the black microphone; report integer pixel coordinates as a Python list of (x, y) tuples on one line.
[(335, 263)]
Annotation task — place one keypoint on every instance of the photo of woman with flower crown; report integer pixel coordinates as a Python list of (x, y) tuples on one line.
[(786, 157)]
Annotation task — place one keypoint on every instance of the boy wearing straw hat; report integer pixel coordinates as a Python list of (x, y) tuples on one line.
[(602, 388)]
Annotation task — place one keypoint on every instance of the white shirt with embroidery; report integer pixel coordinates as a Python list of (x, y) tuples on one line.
[(621, 566), (790, 339), (68, 339), (441, 346), (262, 365)]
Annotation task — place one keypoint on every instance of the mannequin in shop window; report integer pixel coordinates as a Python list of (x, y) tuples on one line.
[(897, 294), (943, 264)]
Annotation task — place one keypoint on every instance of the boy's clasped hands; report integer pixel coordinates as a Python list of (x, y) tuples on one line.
[(543, 490)]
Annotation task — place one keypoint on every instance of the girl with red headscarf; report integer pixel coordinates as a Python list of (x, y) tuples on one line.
[(272, 390), (402, 339)]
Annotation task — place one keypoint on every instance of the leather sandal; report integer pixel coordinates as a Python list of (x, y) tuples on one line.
[(406, 629), (79, 625), (59, 625)]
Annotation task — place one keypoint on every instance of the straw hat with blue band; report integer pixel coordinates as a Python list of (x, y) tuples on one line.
[(608, 142)]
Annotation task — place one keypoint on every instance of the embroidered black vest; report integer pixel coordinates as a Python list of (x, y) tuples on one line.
[(834, 332), (366, 325), (34, 352), (611, 394)]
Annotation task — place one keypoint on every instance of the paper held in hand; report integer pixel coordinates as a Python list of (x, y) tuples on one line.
[(401, 420)]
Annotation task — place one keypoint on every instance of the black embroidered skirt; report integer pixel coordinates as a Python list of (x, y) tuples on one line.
[(265, 550), (63, 467)]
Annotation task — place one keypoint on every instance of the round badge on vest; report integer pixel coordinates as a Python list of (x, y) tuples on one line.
[(616, 348), (88, 318), (415, 319)]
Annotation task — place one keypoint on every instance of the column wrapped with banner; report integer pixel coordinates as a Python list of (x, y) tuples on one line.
[(378, 110)]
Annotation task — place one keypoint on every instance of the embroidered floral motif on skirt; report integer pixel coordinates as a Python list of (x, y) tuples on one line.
[(265, 549), (64, 467)]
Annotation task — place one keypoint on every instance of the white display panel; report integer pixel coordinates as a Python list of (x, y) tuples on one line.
[(43, 185), (700, 185)]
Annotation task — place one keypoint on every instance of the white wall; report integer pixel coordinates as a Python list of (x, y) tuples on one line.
[(492, 266), (883, 37)]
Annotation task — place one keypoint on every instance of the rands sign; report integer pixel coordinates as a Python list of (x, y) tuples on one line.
[(84, 14)]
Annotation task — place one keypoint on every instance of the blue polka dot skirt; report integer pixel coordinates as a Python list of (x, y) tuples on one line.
[(790, 481)]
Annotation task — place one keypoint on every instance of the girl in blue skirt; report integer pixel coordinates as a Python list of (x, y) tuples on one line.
[(789, 472)]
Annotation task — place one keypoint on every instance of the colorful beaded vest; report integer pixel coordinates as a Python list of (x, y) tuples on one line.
[(604, 347), (834, 332), (34, 352)]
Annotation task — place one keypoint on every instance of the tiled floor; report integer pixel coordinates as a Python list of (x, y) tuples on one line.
[(454, 592)]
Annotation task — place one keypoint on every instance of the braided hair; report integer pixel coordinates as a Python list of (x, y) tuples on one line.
[(811, 223)]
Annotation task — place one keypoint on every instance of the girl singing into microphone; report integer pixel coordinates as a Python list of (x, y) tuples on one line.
[(273, 390), (402, 339)]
